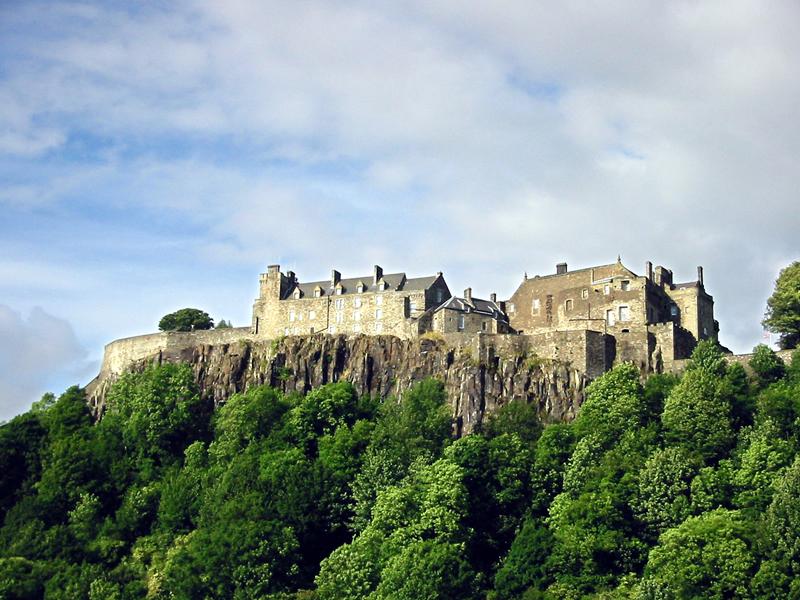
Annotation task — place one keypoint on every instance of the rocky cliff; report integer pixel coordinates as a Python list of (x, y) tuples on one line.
[(382, 365)]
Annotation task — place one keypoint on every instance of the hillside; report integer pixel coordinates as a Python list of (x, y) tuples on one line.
[(684, 486)]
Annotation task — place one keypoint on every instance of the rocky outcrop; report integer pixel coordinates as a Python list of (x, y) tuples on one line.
[(377, 365)]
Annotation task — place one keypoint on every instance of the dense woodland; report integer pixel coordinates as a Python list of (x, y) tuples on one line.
[(678, 487)]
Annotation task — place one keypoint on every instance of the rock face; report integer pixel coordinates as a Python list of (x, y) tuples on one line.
[(376, 365)]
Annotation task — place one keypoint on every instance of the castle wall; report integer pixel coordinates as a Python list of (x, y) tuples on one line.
[(447, 321), (580, 300), (120, 354), (696, 310)]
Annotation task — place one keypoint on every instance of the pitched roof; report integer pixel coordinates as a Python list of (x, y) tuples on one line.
[(478, 305), (394, 282)]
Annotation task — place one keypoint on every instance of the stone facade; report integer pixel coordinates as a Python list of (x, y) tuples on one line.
[(378, 304), (470, 315), (651, 320)]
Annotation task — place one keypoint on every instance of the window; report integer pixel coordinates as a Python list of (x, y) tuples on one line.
[(338, 291), (673, 310), (585, 294), (568, 305), (483, 326), (286, 331), (317, 292), (312, 330), (412, 306), (607, 289), (625, 286), (291, 316), (535, 306), (339, 304), (379, 300), (357, 328), (356, 315), (624, 313), (378, 327), (611, 317), (357, 302), (378, 313), (511, 308), (297, 294), (360, 288), (312, 314), (339, 317), (461, 322), (439, 295), (332, 329)]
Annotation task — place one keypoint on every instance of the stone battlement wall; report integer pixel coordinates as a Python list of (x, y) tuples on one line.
[(120, 354)]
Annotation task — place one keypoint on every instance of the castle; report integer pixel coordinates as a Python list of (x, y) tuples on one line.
[(592, 317)]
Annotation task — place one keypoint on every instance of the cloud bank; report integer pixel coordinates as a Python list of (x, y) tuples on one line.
[(35, 352)]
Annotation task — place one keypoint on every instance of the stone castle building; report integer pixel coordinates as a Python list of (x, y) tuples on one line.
[(594, 317)]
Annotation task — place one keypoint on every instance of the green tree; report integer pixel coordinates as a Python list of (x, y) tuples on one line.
[(783, 307), (186, 319), (697, 412), (664, 484), (709, 556), (159, 412), (223, 324), (779, 575), (768, 366)]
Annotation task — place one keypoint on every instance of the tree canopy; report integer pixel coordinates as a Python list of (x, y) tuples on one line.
[(684, 487), (783, 307), (186, 319)]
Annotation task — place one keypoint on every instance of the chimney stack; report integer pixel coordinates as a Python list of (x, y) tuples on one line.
[(335, 277), (648, 269), (561, 268), (493, 297), (468, 295), (700, 275), (377, 273)]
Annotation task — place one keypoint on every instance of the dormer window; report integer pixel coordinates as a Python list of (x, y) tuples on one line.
[(296, 294), (318, 292), (381, 285), (360, 288), (625, 285), (339, 291)]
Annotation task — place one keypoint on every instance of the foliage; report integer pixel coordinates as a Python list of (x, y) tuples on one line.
[(223, 324), (708, 556), (680, 487), (186, 319), (768, 366), (697, 412), (783, 307)]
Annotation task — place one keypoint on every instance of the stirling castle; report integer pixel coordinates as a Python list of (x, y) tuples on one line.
[(592, 317)]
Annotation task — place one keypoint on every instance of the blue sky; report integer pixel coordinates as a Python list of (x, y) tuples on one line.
[(160, 155)]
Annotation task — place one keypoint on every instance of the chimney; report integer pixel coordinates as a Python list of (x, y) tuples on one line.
[(468, 295), (493, 297), (377, 273), (561, 268), (335, 277), (648, 269), (502, 306), (700, 275), (273, 269)]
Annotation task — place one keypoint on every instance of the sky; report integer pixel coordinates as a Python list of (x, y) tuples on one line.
[(157, 155)]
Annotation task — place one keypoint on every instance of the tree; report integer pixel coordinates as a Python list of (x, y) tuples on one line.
[(783, 307), (768, 366), (708, 556), (223, 324), (186, 319)]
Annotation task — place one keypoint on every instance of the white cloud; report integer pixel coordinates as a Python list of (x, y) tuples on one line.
[(37, 351)]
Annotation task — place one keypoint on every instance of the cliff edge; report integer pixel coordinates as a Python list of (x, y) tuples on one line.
[(480, 373)]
